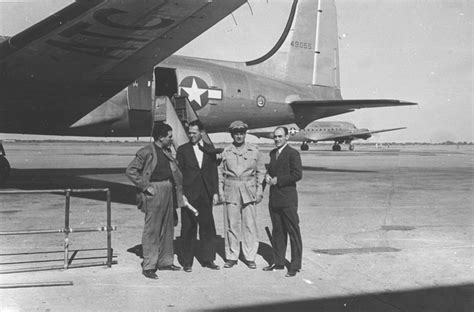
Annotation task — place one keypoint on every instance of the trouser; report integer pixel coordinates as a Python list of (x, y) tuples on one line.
[(207, 230), (157, 238), (240, 224), (285, 222)]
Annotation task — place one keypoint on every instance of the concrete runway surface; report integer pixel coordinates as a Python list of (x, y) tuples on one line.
[(383, 230)]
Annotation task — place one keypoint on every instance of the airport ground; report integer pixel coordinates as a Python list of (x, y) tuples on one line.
[(383, 230)]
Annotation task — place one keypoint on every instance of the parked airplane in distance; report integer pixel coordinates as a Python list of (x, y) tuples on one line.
[(88, 70), (317, 131)]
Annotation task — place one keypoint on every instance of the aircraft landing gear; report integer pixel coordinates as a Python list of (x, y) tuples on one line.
[(336, 147), (304, 146), (351, 146), (4, 166)]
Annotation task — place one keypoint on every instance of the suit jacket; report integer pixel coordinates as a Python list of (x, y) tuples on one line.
[(288, 170), (195, 179), (142, 166)]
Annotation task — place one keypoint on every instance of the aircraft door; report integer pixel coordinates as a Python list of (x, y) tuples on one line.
[(166, 82), (140, 101), (140, 93)]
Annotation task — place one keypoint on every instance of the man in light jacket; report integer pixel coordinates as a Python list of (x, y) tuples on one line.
[(241, 174)]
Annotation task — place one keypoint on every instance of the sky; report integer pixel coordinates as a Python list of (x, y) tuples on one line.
[(413, 50)]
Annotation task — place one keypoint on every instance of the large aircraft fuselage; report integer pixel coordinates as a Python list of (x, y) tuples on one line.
[(219, 92)]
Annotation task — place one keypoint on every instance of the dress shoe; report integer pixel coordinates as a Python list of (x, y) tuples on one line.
[(274, 267), (230, 263), (150, 274), (211, 265), (187, 269), (251, 265), (170, 267), (291, 273)]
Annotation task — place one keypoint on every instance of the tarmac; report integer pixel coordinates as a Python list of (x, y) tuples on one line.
[(386, 229)]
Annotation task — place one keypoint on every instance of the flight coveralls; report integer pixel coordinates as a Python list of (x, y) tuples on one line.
[(241, 174)]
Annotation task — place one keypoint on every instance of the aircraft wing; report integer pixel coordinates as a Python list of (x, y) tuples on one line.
[(386, 130), (262, 134), (304, 109), (107, 42)]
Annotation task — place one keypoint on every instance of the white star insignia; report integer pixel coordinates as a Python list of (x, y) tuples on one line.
[(194, 92)]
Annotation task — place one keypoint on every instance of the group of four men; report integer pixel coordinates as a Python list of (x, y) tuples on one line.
[(202, 178)]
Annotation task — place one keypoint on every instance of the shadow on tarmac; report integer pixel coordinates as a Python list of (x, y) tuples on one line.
[(44, 179), (264, 250), (323, 169), (458, 298)]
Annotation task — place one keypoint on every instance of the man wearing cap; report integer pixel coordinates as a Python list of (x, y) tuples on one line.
[(241, 174), (158, 182)]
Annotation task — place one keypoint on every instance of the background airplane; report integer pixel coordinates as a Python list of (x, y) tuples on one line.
[(337, 131), (88, 70)]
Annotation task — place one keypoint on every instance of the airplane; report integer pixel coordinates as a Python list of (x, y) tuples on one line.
[(96, 68), (337, 131)]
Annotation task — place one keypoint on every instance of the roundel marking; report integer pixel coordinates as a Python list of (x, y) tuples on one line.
[(261, 101), (198, 92), (292, 131)]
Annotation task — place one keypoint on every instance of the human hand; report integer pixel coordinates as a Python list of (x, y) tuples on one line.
[(268, 178), (215, 199), (273, 181), (222, 198)]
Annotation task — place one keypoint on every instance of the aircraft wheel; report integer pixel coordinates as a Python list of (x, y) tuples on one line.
[(4, 170), (336, 147), (351, 147), (304, 147)]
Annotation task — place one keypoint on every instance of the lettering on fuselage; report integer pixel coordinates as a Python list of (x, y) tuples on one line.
[(301, 45), (198, 92), (103, 16)]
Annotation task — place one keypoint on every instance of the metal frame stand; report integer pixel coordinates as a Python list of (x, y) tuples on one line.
[(66, 230)]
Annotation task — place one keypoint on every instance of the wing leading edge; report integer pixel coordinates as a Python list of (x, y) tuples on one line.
[(60, 69)]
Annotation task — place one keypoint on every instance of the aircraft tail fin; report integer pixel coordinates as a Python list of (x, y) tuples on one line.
[(307, 51)]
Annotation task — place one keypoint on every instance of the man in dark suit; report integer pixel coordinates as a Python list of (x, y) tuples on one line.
[(283, 172), (198, 164)]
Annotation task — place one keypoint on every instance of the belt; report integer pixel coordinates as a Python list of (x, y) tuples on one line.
[(244, 178)]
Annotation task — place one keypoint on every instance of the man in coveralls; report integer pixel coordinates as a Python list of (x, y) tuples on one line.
[(241, 174)]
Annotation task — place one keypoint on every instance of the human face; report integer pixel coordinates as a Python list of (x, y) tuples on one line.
[(239, 137), (279, 137), (167, 140), (194, 134)]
